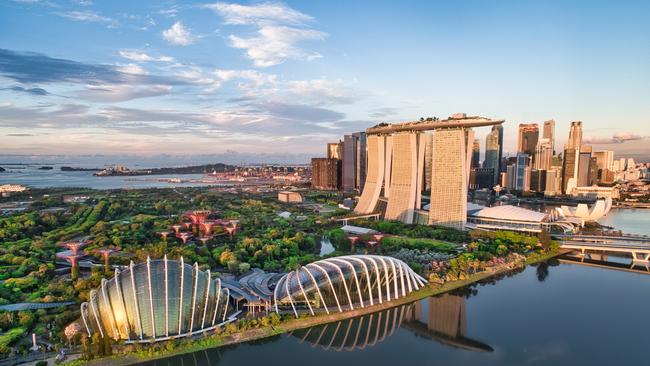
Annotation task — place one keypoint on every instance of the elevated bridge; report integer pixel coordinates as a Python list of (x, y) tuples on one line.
[(604, 238), (640, 251)]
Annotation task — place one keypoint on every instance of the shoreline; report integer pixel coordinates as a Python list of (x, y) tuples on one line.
[(301, 323)]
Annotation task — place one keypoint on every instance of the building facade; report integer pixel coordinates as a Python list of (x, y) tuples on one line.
[(528, 136), (325, 173)]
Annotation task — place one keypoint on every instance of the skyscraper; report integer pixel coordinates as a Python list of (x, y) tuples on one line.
[(549, 133), (522, 172), (543, 154), (324, 173), (335, 150), (528, 136), (354, 161), (604, 159), (476, 153), (492, 151), (570, 170), (575, 135), (499, 129), (584, 166)]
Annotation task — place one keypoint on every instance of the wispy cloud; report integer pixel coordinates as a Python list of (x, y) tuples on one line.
[(32, 91), (88, 16), (617, 138), (279, 31), (143, 57), (265, 13), (179, 35)]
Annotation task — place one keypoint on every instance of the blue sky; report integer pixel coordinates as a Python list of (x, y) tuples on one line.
[(144, 78)]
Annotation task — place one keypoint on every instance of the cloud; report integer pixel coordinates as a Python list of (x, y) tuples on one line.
[(121, 92), (30, 67), (19, 134), (143, 57), (32, 91), (264, 13), (88, 16), (617, 138), (134, 69), (323, 91), (279, 29), (178, 35), (384, 112), (275, 44)]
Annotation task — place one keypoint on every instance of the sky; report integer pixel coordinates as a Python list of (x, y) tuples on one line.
[(146, 78)]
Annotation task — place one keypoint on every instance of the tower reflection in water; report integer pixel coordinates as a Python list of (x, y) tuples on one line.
[(439, 318)]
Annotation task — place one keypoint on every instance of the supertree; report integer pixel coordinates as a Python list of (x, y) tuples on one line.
[(353, 242), (231, 231), (184, 237), (378, 237), (176, 228), (205, 239), (163, 234), (207, 226), (105, 253), (73, 259), (74, 246)]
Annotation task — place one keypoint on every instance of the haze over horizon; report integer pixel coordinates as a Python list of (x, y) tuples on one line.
[(281, 79)]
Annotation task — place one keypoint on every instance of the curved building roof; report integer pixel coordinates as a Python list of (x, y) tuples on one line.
[(344, 283), (507, 213), (156, 300)]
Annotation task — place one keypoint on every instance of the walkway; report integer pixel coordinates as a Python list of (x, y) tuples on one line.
[(34, 305)]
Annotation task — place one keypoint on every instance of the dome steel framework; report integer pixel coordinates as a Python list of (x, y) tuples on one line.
[(156, 300), (345, 283)]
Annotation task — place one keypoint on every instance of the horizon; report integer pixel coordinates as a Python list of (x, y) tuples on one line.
[(285, 78)]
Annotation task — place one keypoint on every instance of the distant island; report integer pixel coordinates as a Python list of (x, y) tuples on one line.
[(196, 169), (45, 168), (71, 169), (2, 169)]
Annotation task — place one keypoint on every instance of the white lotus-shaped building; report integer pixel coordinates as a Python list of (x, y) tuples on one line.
[(584, 213)]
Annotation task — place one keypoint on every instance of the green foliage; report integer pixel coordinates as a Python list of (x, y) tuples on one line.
[(394, 243), (9, 337)]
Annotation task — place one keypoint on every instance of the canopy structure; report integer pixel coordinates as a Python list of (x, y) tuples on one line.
[(156, 300), (345, 283)]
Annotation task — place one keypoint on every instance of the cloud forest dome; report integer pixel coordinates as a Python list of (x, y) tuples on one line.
[(345, 283), (156, 300)]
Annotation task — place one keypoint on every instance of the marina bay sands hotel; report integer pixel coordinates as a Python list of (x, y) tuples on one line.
[(399, 158)]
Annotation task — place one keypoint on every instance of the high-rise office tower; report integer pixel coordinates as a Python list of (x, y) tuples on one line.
[(593, 172), (499, 129), (549, 133), (325, 173), (476, 153), (354, 161), (522, 172), (492, 151), (335, 150), (570, 170), (584, 166), (528, 136), (543, 154), (604, 159), (575, 135)]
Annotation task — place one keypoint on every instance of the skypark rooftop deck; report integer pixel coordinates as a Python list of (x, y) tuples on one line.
[(452, 122)]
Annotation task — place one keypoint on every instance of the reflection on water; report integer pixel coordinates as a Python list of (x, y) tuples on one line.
[(444, 320)]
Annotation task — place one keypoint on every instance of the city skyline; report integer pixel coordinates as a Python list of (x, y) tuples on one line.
[(284, 77)]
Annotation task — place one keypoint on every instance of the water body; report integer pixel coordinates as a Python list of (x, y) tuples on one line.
[(566, 314), (630, 220), (31, 176)]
